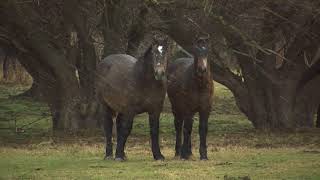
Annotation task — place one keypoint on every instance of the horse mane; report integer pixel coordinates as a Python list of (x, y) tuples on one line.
[(147, 52), (144, 61)]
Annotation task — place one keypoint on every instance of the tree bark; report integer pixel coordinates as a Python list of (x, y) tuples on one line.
[(34, 91), (5, 68), (86, 64), (318, 117), (61, 86), (272, 106), (114, 21), (263, 93), (137, 32)]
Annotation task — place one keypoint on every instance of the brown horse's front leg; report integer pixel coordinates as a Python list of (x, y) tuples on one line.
[(203, 130), (178, 126), (124, 127), (186, 151), (154, 133)]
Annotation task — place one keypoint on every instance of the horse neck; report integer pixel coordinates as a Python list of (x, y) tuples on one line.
[(145, 66), (203, 81)]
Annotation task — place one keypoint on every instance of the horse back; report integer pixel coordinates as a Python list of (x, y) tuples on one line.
[(115, 80)]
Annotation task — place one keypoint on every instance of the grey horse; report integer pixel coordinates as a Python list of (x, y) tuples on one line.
[(127, 86)]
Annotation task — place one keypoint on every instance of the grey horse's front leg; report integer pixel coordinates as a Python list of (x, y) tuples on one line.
[(154, 133), (124, 127)]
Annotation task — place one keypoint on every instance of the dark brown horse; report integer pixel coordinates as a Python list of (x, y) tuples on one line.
[(127, 87), (190, 90)]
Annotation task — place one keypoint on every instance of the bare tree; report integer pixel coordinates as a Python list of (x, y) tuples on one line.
[(270, 41), (273, 44)]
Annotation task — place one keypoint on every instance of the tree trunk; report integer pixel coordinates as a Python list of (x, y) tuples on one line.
[(114, 22), (34, 91), (137, 33), (61, 94), (86, 61), (52, 64), (272, 107), (5, 68), (265, 94), (272, 102), (318, 117)]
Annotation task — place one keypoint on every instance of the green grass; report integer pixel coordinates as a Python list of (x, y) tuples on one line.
[(235, 149), (23, 113), (85, 162)]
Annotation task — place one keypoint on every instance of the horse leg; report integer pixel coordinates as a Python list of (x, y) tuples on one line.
[(108, 124), (154, 133), (124, 127), (178, 126), (186, 146), (203, 130)]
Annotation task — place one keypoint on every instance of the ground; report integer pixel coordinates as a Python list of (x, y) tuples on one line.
[(236, 151)]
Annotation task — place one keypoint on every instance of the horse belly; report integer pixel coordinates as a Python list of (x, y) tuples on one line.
[(184, 101), (118, 95), (149, 100)]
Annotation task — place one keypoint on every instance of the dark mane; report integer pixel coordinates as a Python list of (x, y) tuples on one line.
[(144, 62), (146, 53)]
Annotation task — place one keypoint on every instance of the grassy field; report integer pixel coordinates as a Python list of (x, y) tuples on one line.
[(235, 149)]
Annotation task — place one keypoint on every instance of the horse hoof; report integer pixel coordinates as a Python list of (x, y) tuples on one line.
[(159, 158), (108, 158), (204, 159), (119, 159), (176, 157), (186, 156)]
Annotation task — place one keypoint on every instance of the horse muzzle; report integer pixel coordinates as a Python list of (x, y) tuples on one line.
[(160, 74), (202, 69)]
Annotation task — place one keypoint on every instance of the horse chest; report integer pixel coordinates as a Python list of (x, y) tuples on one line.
[(151, 97), (189, 96)]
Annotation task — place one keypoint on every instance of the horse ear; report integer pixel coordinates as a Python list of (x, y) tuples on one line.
[(166, 39), (161, 39), (156, 38), (203, 40)]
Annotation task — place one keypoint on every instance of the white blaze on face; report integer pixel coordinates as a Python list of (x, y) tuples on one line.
[(160, 49), (205, 63)]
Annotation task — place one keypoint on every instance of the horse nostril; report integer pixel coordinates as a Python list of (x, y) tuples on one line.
[(159, 74), (162, 73), (203, 69)]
